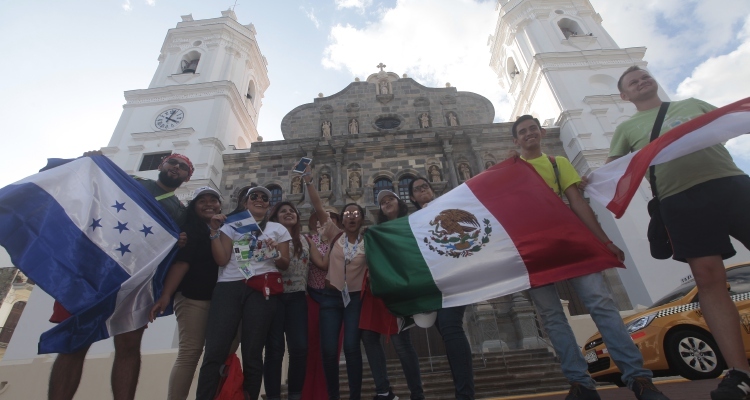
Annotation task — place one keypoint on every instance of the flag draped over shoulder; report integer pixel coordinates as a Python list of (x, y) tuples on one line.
[(501, 232), (95, 240), (614, 184)]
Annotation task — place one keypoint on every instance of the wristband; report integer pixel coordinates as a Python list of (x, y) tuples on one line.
[(216, 236)]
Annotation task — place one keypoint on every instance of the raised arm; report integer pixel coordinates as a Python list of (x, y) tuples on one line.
[(314, 197)]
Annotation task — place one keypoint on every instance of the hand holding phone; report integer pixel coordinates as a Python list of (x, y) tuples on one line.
[(302, 165)]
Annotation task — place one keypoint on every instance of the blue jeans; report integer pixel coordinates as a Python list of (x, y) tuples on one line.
[(594, 294), (290, 319), (232, 303), (406, 354), (333, 315), (450, 324)]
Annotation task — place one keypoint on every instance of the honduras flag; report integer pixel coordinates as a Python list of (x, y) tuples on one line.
[(242, 222), (95, 240)]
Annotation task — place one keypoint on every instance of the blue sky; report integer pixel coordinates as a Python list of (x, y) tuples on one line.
[(66, 64)]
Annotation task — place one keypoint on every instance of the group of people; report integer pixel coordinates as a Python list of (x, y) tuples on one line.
[(276, 286)]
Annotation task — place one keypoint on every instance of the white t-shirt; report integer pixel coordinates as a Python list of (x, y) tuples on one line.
[(231, 271)]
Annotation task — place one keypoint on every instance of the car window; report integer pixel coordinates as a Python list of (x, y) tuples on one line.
[(739, 280), (675, 295)]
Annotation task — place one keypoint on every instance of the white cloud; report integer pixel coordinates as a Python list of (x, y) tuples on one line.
[(311, 15), (126, 5), (151, 2), (433, 41), (358, 4)]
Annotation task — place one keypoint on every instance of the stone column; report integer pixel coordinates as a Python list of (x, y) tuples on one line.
[(523, 316), (476, 149), (448, 152), (338, 183)]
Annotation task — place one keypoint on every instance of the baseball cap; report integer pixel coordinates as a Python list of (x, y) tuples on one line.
[(385, 192), (259, 189), (206, 189)]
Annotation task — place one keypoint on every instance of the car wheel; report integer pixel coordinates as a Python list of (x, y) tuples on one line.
[(694, 355)]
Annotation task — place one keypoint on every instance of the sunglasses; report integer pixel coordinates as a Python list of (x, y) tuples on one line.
[(182, 165), (254, 196), (421, 188), (351, 214)]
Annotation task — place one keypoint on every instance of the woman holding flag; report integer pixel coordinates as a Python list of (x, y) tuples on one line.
[(340, 302), (250, 254), (291, 312)]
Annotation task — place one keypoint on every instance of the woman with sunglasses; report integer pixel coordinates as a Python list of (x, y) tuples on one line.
[(449, 321), (340, 302), (291, 312), (376, 320), (247, 292)]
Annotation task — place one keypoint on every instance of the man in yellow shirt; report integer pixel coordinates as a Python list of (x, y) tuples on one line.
[(562, 178)]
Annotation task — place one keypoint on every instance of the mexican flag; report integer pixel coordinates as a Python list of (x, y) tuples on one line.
[(614, 184), (500, 232)]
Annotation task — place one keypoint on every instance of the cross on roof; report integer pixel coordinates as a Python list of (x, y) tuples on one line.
[(235, 5), (381, 66)]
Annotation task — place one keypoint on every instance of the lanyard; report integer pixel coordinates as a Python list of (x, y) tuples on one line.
[(349, 254)]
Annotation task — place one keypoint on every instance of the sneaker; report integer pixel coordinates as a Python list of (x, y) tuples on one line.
[(389, 396), (580, 392), (735, 385), (645, 390)]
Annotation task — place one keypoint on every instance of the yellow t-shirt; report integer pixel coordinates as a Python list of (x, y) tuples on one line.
[(568, 174), (682, 173)]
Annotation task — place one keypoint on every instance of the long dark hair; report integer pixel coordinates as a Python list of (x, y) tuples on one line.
[(403, 210), (294, 230), (241, 197), (411, 190), (196, 228)]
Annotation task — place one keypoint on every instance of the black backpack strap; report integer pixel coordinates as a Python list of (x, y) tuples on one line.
[(655, 134), (557, 174)]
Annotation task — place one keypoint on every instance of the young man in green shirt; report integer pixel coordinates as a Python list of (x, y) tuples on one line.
[(704, 198), (562, 178)]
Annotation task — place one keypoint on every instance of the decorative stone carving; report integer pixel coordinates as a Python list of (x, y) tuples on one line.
[(464, 171), (325, 183), (326, 128), (296, 185), (353, 127), (452, 119), (488, 164), (352, 107), (435, 174), (448, 100), (326, 109), (355, 181), (424, 120), (421, 102), (384, 87)]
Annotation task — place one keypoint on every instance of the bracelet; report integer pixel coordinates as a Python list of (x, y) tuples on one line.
[(608, 242), (216, 236), (307, 183)]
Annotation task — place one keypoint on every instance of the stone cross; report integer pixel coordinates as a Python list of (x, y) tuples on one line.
[(381, 66)]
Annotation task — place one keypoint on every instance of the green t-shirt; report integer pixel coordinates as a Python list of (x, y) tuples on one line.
[(568, 174), (682, 173)]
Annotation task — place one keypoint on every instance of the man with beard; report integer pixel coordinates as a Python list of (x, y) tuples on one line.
[(67, 369)]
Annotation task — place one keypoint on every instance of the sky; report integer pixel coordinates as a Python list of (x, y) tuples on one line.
[(65, 72)]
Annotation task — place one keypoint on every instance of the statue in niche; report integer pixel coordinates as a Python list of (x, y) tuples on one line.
[(353, 127), (296, 185), (354, 181), (424, 120), (325, 183), (435, 174), (384, 87), (452, 119), (464, 171), (488, 164), (326, 127)]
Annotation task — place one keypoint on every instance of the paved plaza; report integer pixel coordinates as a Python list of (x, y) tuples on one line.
[(675, 389)]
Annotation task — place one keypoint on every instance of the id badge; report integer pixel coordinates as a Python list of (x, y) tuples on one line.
[(345, 295)]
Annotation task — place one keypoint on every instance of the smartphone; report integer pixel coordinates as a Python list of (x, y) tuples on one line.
[(302, 164)]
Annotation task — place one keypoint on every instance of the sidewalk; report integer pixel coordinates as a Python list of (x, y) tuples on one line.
[(675, 389)]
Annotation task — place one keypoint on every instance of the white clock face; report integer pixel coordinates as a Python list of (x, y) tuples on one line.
[(169, 119)]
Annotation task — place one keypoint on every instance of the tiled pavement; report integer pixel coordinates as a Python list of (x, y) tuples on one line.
[(675, 389)]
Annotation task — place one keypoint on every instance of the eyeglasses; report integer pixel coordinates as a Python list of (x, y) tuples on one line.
[(421, 188), (182, 165), (351, 214), (254, 196)]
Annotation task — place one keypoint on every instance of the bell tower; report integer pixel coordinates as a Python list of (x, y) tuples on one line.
[(204, 99), (560, 65)]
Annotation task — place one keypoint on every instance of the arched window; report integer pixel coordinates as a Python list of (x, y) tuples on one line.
[(403, 187), (380, 184), (512, 68), (189, 62), (250, 93), (569, 27), (275, 194)]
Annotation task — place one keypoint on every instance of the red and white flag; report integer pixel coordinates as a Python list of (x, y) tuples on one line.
[(614, 184)]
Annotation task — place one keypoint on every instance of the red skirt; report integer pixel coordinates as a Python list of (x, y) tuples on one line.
[(375, 315)]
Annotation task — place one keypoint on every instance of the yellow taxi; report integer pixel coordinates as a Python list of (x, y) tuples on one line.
[(673, 336)]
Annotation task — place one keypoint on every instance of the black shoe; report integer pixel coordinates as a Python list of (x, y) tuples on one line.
[(580, 392), (735, 385), (645, 390), (390, 396)]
